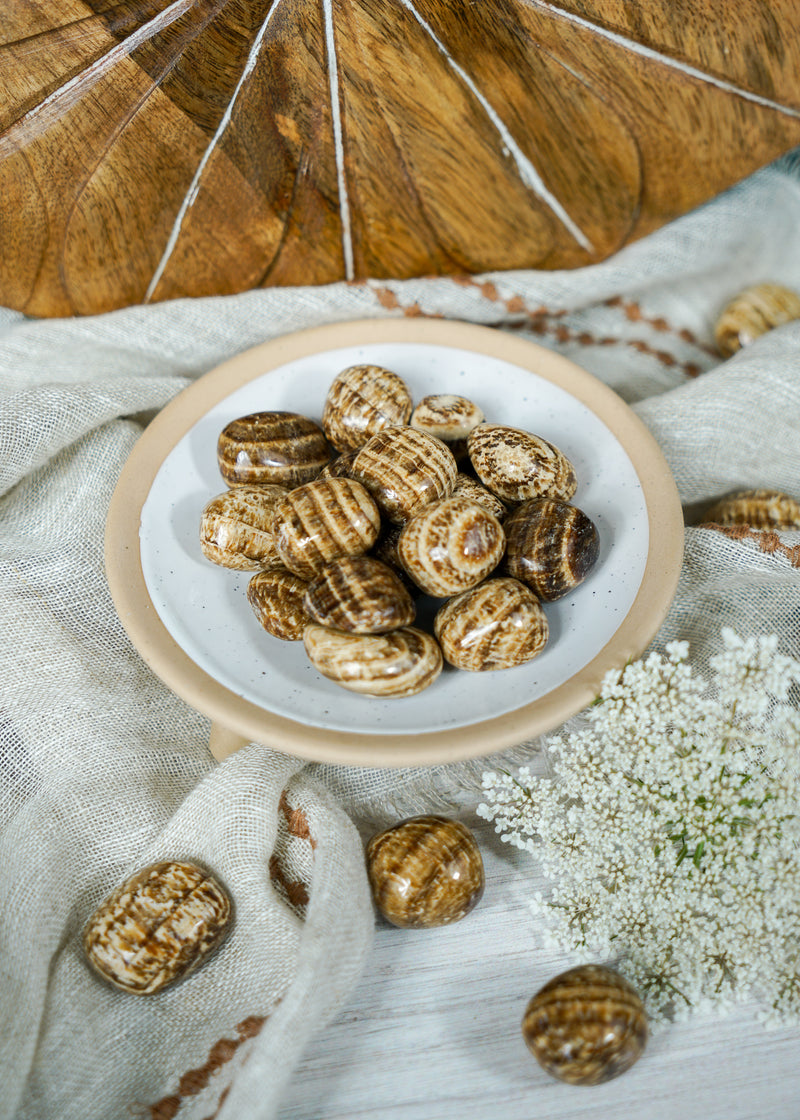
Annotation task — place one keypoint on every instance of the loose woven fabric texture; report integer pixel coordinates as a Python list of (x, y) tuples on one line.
[(103, 769)]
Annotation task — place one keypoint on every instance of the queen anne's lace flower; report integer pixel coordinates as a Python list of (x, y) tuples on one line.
[(670, 828)]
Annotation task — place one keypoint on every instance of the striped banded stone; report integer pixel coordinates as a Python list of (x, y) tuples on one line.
[(448, 417), (450, 546), (404, 470), (276, 596), (284, 448), (340, 466), (323, 520), (361, 401), (754, 312), (496, 625), (551, 546), (467, 487), (236, 527), (157, 926), (516, 465), (761, 509), (400, 663), (586, 1026), (425, 872), (361, 595)]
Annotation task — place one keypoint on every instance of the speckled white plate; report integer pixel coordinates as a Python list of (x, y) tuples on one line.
[(191, 620)]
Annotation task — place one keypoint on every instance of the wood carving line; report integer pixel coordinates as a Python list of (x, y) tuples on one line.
[(527, 172), (664, 59), (194, 187), (161, 149), (60, 101), (338, 142)]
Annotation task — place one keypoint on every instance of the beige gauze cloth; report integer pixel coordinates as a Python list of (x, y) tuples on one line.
[(103, 769)]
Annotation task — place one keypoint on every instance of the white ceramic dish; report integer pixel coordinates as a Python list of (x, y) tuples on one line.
[(260, 687)]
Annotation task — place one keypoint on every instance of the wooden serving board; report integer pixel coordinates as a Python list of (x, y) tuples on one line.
[(151, 149)]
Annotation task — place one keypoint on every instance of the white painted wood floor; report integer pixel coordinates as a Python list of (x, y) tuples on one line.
[(432, 1032)]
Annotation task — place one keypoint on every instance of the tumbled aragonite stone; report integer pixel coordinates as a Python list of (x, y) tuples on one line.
[(496, 625), (752, 313), (236, 527), (340, 466), (425, 872), (157, 926), (323, 520), (448, 417), (363, 400), (360, 595), (276, 596), (283, 448), (761, 509), (405, 470), (450, 546), (517, 465), (467, 487), (552, 546), (397, 664), (586, 1026)]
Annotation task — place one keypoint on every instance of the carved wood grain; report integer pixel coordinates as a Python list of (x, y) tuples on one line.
[(151, 149)]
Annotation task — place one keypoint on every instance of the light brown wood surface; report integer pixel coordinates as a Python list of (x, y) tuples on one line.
[(159, 148)]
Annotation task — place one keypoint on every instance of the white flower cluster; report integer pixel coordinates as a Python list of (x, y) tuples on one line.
[(670, 828)]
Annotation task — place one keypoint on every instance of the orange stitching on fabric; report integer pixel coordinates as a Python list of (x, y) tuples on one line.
[(563, 334), (223, 1095), (767, 539), (634, 314), (195, 1080), (387, 298), (515, 305), (295, 889), (296, 821), (165, 1109)]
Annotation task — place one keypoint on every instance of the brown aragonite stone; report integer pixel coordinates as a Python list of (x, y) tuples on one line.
[(448, 417), (157, 926), (323, 520), (405, 470), (362, 401), (468, 487), (761, 509), (385, 550), (425, 872), (451, 545), (236, 527), (752, 313), (496, 625), (360, 595), (400, 663), (517, 465), (340, 466), (283, 448), (385, 547), (586, 1026), (276, 596), (552, 546)]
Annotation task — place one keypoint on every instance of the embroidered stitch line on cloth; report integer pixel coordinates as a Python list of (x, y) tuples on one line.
[(635, 314), (766, 539), (296, 821), (195, 1080), (564, 334)]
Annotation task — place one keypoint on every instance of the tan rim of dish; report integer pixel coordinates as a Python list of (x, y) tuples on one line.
[(238, 721)]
